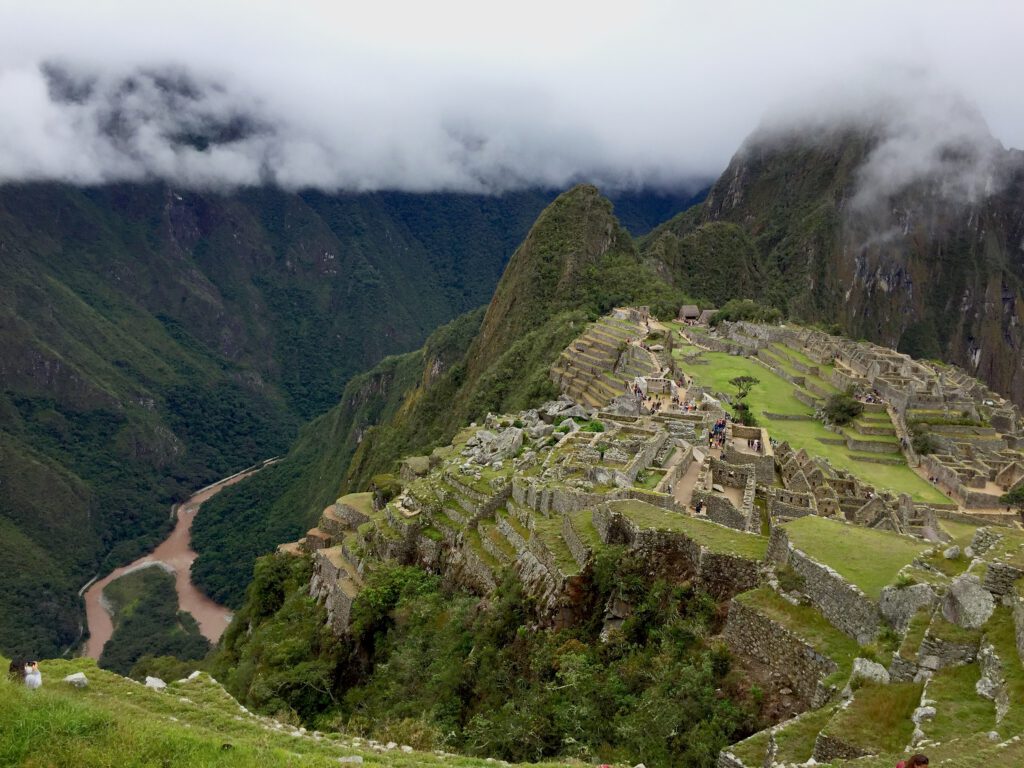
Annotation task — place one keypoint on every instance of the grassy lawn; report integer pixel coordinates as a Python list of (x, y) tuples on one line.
[(583, 524), (795, 739), (959, 708), (963, 532), (549, 531), (775, 395), (915, 633), (878, 720), (715, 537), (863, 556), (809, 625)]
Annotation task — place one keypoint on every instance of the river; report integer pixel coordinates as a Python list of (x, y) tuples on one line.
[(175, 555)]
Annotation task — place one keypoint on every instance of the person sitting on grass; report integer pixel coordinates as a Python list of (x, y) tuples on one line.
[(917, 761)]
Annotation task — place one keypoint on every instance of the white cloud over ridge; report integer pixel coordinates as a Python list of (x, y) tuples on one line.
[(452, 95)]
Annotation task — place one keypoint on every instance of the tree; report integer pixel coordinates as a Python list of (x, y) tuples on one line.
[(842, 408), (1014, 497), (743, 385)]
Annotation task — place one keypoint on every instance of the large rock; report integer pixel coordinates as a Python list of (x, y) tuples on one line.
[(870, 671), (967, 604), (78, 679), (899, 604), (488, 447), (155, 683)]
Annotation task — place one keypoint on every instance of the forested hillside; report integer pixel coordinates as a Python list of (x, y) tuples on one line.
[(155, 339)]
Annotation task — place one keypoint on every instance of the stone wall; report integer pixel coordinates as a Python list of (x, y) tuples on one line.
[(764, 466), (845, 606), (793, 662), (580, 551), (721, 510)]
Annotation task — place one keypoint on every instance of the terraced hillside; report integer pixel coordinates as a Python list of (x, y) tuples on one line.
[(885, 614)]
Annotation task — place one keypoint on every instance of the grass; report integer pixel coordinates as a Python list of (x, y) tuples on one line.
[(775, 395), (583, 523), (915, 633), (549, 531), (715, 537), (962, 533), (999, 630), (809, 625), (194, 724), (795, 739), (878, 720), (866, 557), (959, 709), (361, 502)]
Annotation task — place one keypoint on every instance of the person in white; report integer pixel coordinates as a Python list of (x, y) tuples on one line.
[(33, 677)]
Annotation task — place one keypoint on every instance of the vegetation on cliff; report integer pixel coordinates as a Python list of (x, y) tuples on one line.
[(436, 668)]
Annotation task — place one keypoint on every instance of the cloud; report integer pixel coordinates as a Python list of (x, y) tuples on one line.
[(449, 95)]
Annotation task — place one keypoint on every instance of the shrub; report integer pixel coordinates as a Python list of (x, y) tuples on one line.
[(842, 408), (593, 426)]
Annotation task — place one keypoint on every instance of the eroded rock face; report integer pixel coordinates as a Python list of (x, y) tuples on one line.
[(898, 605), (967, 604)]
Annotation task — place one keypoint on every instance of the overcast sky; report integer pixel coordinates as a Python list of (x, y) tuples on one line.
[(468, 95)]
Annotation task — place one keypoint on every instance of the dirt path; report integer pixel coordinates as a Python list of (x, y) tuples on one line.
[(174, 554)]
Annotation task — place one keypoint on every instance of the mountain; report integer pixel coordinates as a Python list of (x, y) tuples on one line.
[(576, 263), (154, 339), (832, 227)]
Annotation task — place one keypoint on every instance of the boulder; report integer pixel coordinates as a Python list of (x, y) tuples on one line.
[(922, 713), (155, 683), (967, 604), (577, 413), (952, 553), (540, 430), (871, 671), (351, 759), (899, 604), (78, 679)]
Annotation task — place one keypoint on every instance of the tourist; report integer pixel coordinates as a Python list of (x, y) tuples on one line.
[(916, 761)]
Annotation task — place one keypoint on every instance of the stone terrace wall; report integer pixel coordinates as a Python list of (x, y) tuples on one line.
[(792, 661), (580, 551), (843, 604), (677, 556)]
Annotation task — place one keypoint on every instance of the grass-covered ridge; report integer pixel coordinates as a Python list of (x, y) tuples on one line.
[(193, 724)]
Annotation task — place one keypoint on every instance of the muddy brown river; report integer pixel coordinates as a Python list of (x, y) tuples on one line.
[(175, 555)]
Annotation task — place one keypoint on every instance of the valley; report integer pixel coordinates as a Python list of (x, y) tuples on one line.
[(174, 555)]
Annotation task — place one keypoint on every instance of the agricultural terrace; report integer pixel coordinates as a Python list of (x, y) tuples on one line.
[(867, 557), (775, 395)]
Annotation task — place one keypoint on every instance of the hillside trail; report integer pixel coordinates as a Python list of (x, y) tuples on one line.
[(175, 555)]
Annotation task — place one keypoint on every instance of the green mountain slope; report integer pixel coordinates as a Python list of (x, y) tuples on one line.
[(153, 340), (923, 269), (575, 263)]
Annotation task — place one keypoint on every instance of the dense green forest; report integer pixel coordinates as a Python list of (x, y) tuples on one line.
[(429, 668), (147, 622)]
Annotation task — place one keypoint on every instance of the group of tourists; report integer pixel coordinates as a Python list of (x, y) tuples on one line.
[(716, 437), (755, 444)]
